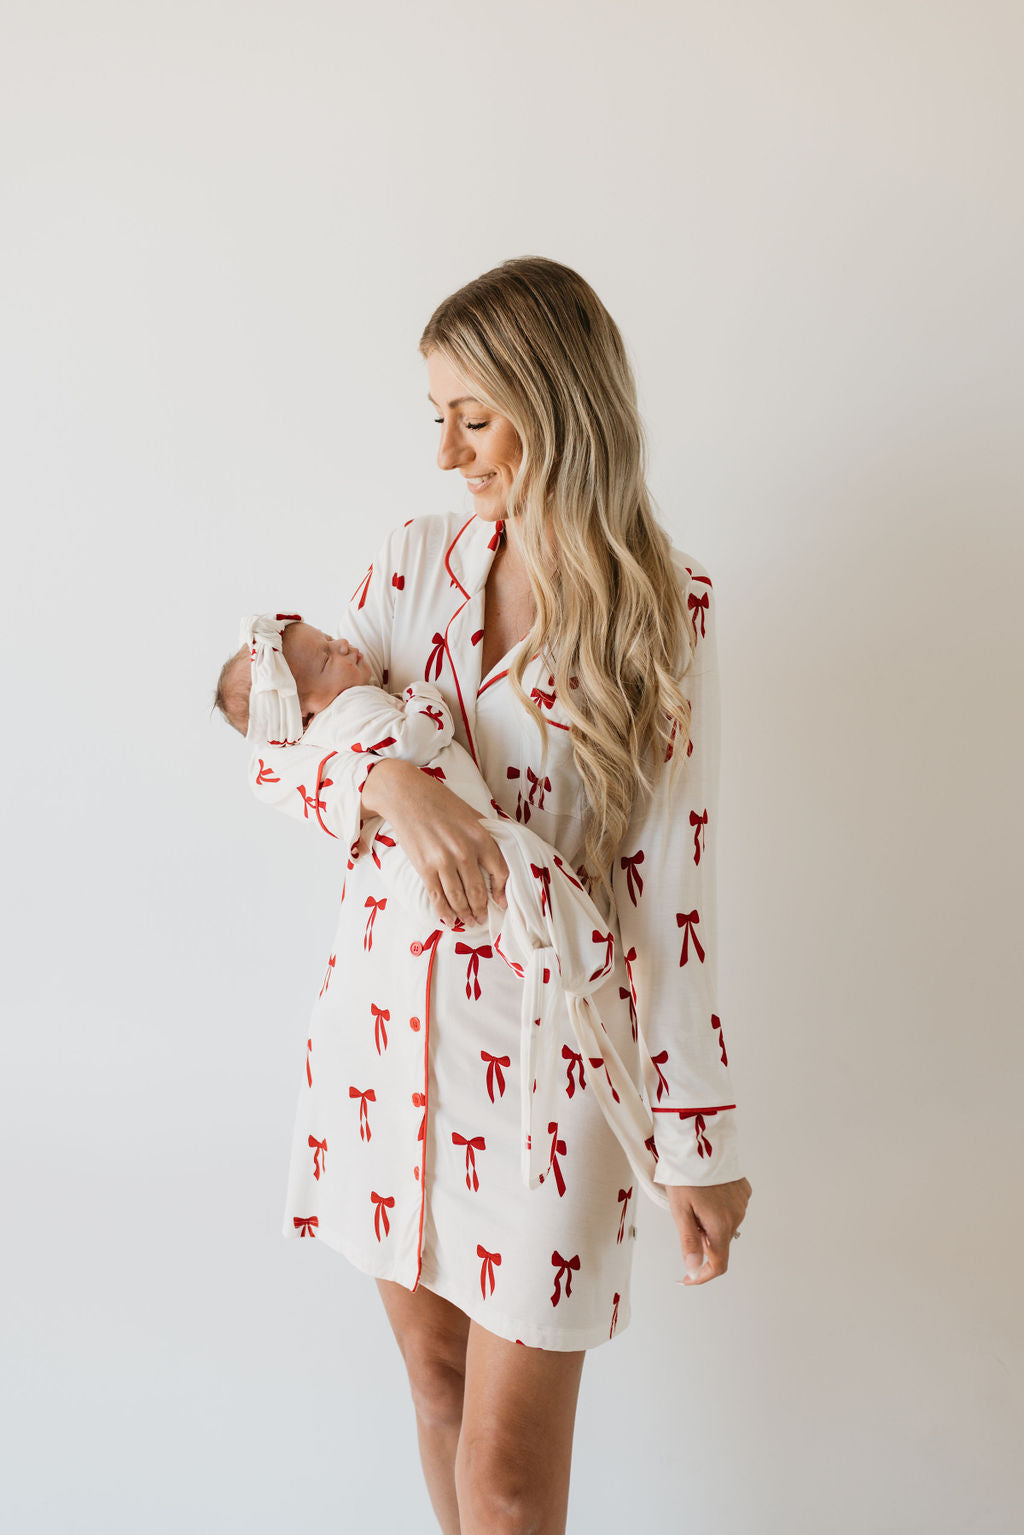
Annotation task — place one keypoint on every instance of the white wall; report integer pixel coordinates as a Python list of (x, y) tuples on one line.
[(225, 225)]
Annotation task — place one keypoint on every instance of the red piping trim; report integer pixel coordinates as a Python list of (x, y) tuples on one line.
[(316, 795), (451, 661)]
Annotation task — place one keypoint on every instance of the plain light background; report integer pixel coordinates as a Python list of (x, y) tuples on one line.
[(224, 228)]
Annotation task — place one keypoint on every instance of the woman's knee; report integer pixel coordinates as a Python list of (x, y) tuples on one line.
[(431, 1335), (495, 1487)]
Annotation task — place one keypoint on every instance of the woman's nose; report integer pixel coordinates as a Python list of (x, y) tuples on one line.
[(449, 451)]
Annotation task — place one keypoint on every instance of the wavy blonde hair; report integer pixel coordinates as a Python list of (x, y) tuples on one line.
[(539, 347)]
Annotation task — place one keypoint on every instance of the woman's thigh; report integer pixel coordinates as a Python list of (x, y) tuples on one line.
[(519, 1413), (432, 1336)]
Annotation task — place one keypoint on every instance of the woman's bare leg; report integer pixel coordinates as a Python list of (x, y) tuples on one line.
[(515, 1449), (432, 1336)]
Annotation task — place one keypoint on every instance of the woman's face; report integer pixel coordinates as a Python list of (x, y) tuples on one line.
[(484, 447)]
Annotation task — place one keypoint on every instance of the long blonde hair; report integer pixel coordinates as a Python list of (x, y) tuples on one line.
[(540, 348)]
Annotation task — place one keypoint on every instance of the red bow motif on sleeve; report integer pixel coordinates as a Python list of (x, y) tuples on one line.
[(265, 775), (698, 604), (487, 1268), (543, 874), (494, 1071), (575, 1060), (381, 1206), (615, 1312), (367, 1095), (306, 1225), (634, 879), (566, 1266), (624, 1195), (319, 1149), (570, 877), (472, 1147), (689, 920), (314, 801), (523, 811), (598, 1060), (381, 1016), (609, 946), (716, 1023), (385, 841), (657, 1061)]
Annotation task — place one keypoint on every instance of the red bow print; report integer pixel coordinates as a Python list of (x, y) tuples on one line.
[(330, 972), (472, 1147), (689, 920), (698, 822), (319, 1149), (309, 1069), (523, 811), (385, 841), (544, 875), (397, 581), (494, 1065), (543, 700), (436, 656), (698, 606), (615, 1312), (651, 1147), (575, 1060), (265, 775), (543, 784), (703, 1144), (487, 1268), (473, 968), (625, 993), (598, 1060), (375, 906), (566, 1266), (381, 1206), (609, 943), (306, 1225), (314, 802), (657, 1061), (716, 1023), (367, 1095), (381, 1016), (557, 1149), (419, 1101), (634, 879), (624, 1199), (376, 747), (362, 588)]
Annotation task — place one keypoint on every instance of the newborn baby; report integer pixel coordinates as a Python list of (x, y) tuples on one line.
[(291, 681)]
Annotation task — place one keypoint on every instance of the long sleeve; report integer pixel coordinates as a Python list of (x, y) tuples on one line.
[(318, 783), (665, 886)]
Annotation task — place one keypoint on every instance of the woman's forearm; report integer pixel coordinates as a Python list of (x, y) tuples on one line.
[(383, 781)]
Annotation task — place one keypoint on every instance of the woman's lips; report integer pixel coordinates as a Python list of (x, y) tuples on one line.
[(477, 485)]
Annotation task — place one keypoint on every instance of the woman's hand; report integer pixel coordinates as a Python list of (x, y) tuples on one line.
[(707, 1220), (442, 837)]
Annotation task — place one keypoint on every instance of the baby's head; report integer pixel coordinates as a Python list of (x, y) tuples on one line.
[(321, 667)]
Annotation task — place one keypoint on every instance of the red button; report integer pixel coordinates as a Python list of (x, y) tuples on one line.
[(414, 1024), (416, 948)]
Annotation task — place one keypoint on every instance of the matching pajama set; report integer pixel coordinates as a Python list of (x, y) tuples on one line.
[(478, 1109)]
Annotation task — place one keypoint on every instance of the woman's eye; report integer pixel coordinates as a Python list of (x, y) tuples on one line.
[(473, 426)]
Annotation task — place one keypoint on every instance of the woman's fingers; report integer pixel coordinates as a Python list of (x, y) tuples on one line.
[(496, 869)]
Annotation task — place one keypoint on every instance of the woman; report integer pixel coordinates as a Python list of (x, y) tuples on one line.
[(556, 619)]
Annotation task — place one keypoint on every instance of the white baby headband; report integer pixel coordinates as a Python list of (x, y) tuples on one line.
[(274, 713)]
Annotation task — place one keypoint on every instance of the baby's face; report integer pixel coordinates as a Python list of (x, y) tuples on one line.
[(322, 667)]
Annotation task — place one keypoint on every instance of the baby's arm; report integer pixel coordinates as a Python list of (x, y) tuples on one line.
[(413, 727)]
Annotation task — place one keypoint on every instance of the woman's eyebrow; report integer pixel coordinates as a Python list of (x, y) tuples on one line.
[(463, 399)]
